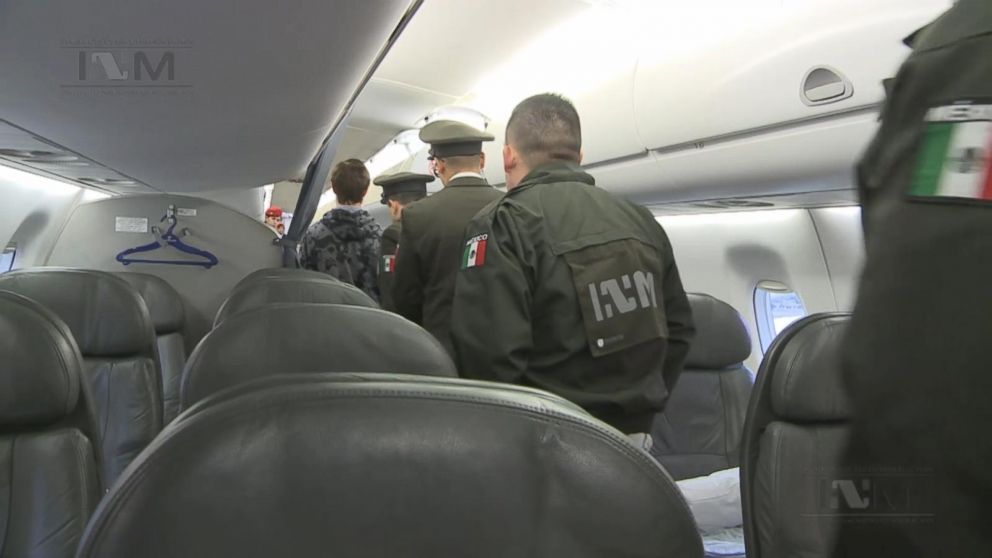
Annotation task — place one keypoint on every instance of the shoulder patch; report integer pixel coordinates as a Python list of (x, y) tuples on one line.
[(475, 251), (955, 159), (388, 264)]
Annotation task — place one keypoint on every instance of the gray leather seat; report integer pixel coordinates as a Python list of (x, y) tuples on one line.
[(49, 483), (114, 332), (300, 338), (323, 466), (264, 290), (700, 431), (795, 434), (283, 272), (169, 320)]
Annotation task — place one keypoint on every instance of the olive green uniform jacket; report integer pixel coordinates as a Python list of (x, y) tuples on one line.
[(566, 288), (917, 351), (387, 265), (430, 252)]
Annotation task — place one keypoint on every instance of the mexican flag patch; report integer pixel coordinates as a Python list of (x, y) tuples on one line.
[(956, 158), (388, 264), (475, 252)]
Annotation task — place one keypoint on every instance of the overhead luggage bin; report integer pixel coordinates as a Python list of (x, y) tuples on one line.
[(744, 112)]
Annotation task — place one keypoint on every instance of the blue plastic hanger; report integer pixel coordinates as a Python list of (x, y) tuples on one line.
[(209, 260)]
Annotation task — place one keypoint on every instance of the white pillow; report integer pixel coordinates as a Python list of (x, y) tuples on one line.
[(715, 500)]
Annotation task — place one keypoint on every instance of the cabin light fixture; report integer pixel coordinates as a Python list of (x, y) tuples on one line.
[(465, 115), (109, 181), (731, 218), (17, 177), (399, 149), (27, 153), (90, 195)]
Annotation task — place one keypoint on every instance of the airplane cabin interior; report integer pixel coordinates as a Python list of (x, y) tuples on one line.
[(159, 343)]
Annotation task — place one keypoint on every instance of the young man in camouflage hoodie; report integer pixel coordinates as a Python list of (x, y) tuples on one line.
[(345, 242)]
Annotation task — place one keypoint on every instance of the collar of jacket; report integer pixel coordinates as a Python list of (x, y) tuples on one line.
[(966, 19), (467, 181), (560, 171)]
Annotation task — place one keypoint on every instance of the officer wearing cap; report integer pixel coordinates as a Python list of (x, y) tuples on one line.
[(432, 237), (916, 357), (398, 191), (567, 288)]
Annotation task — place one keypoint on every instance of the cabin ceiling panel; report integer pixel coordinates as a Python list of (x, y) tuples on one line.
[(451, 44), (186, 95)]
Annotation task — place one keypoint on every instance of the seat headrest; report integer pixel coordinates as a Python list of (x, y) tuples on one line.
[(107, 316), (806, 374), (391, 468), (40, 364), (281, 272), (721, 337), (300, 338), (290, 289), (164, 304)]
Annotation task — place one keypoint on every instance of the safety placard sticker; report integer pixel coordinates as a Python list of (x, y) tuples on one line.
[(185, 212), (131, 224)]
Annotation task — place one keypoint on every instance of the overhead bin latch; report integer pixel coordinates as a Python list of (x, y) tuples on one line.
[(823, 85)]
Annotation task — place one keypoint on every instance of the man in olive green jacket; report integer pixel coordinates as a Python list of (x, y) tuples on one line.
[(916, 356), (431, 240), (567, 288), (398, 191)]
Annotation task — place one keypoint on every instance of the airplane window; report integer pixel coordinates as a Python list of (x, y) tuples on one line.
[(7, 257), (775, 307)]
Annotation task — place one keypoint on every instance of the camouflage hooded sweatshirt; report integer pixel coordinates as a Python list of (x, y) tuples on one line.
[(345, 245)]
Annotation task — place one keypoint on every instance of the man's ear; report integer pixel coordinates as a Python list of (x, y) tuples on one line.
[(509, 158), (581, 154), (482, 161)]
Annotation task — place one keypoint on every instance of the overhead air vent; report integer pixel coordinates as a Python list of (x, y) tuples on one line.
[(824, 85), (733, 204), (109, 181), (27, 153), (55, 159)]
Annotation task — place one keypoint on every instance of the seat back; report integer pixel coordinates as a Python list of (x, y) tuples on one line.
[(700, 430), (283, 272), (168, 318), (49, 483), (290, 288), (794, 436), (300, 338), (391, 467), (111, 325)]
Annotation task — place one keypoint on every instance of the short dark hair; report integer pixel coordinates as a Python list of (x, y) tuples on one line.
[(406, 198), (545, 128), (350, 181)]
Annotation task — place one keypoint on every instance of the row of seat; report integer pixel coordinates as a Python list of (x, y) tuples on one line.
[(409, 451), (49, 480), (113, 330), (699, 433), (260, 338)]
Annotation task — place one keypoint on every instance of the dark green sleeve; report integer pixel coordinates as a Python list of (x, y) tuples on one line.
[(491, 313), (386, 248), (408, 286), (678, 315)]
